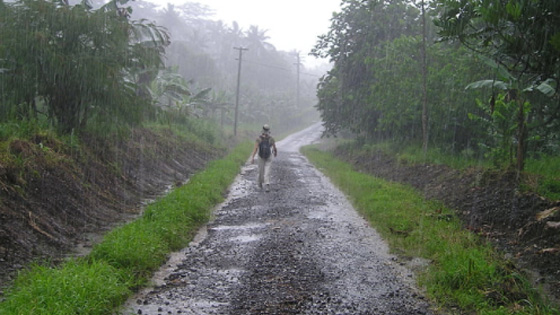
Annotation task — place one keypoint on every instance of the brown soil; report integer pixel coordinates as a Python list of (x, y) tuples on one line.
[(521, 225), (55, 201)]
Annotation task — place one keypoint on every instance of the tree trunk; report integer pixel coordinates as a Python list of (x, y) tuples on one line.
[(424, 86), (521, 137)]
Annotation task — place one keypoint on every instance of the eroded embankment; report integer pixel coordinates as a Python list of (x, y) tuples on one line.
[(58, 199)]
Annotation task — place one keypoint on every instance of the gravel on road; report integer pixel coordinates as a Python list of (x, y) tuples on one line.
[(299, 249)]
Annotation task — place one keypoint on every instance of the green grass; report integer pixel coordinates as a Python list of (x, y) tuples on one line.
[(541, 175), (414, 154), (464, 271), (128, 255), (194, 129), (77, 287), (24, 128), (546, 179)]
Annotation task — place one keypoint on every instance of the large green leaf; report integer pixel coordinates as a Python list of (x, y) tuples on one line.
[(547, 88), (501, 71), (488, 84)]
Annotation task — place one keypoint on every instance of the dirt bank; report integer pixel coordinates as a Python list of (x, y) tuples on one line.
[(522, 225), (58, 200)]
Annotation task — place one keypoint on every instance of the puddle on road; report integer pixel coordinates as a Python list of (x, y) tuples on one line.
[(317, 214), (189, 306), (245, 238), (204, 304), (239, 227), (241, 187)]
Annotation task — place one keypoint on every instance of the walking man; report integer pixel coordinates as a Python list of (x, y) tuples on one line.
[(265, 146)]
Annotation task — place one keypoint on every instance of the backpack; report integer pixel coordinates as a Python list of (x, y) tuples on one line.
[(264, 147)]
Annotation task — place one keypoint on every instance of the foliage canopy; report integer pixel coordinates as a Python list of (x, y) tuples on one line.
[(74, 64), (477, 52)]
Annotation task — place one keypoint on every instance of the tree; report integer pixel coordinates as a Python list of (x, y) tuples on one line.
[(425, 134), (82, 64), (354, 42), (521, 36), (378, 85), (257, 41), (511, 92), (176, 98)]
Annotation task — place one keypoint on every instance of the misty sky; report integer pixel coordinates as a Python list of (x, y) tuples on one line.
[(291, 24)]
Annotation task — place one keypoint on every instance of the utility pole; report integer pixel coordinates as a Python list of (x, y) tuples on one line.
[(298, 64), (241, 49)]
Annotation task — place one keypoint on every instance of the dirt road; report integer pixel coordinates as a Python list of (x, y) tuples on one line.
[(299, 249)]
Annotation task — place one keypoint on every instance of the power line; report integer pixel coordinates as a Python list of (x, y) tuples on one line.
[(279, 68)]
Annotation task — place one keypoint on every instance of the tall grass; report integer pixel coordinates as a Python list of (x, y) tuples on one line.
[(193, 129), (128, 255), (77, 287), (22, 128), (464, 272), (413, 153), (542, 174), (547, 176)]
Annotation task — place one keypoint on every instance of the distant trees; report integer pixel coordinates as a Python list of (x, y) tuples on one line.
[(74, 64), (122, 63), (366, 42), (203, 52)]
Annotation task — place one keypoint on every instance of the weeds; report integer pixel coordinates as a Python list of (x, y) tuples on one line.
[(464, 271), (193, 129), (546, 175), (74, 288), (542, 174), (25, 128)]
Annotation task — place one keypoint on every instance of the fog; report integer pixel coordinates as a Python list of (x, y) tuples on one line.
[(274, 84)]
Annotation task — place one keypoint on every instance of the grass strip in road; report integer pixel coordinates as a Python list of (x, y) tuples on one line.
[(128, 255), (465, 274)]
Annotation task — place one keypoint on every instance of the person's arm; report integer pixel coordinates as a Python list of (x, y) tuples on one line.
[(254, 152), (275, 151)]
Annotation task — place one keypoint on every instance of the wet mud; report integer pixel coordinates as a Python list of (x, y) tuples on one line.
[(299, 249)]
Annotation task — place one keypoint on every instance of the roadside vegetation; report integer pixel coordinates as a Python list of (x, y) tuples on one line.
[(464, 274), (128, 255), (475, 80), (541, 174)]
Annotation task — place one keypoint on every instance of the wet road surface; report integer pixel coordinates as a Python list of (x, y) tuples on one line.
[(299, 249)]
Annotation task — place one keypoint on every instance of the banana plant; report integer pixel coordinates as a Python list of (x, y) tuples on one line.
[(513, 90), (171, 92)]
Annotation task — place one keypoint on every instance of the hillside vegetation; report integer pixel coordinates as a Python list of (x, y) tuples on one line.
[(54, 193)]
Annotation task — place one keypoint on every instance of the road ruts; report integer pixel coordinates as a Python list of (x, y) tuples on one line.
[(299, 249)]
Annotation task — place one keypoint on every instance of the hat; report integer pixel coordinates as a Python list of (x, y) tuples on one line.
[(266, 127)]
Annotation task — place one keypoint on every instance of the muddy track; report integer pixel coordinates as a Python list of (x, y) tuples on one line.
[(298, 249)]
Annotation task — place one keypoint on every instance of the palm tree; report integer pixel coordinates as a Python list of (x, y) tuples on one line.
[(257, 41), (171, 19)]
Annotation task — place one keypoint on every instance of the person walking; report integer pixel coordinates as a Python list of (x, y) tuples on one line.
[(266, 147)]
